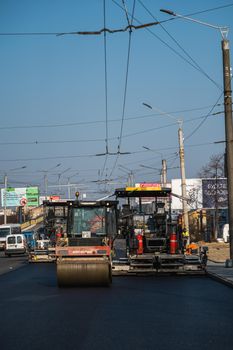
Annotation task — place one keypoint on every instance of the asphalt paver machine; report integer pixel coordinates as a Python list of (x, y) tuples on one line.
[(149, 239), (83, 253)]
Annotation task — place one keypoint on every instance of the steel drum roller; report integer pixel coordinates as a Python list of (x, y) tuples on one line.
[(83, 273)]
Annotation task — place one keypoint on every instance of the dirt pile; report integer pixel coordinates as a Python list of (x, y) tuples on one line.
[(218, 251)]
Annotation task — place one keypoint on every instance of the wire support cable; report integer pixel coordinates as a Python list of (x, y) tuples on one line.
[(205, 118), (38, 126), (165, 43), (125, 90), (198, 67)]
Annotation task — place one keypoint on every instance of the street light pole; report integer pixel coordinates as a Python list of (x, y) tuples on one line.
[(164, 162), (228, 134), (228, 115), (183, 180), (182, 167)]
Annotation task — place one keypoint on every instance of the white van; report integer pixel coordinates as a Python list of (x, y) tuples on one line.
[(225, 233), (15, 244), (8, 229)]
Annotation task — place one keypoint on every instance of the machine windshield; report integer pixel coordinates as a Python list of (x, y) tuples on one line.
[(87, 221)]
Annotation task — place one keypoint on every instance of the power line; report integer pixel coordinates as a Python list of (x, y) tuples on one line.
[(95, 32), (205, 118), (106, 90), (210, 9), (102, 139), (178, 44), (125, 89), (164, 42), (100, 121), (94, 155)]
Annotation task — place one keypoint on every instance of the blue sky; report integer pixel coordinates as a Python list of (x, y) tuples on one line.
[(53, 96)]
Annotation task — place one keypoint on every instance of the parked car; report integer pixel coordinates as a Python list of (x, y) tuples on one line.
[(15, 244), (8, 229)]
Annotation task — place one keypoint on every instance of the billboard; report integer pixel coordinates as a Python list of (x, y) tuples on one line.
[(16, 197), (194, 194), (201, 193), (214, 192)]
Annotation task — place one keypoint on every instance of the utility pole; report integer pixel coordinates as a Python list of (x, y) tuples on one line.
[(183, 180), (228, 134), (164, 172), (46, 185), (228, 118), (182, 166)]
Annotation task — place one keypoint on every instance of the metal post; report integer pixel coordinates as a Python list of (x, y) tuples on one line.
[(46, 185), (68, 184), (5, 193), (229, 135), (183, 181), (164, 172)]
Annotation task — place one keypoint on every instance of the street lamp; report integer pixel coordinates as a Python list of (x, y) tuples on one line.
[(59, 177), (160, 172), (130, 175), (5, 190), (69, 185), (164, 162), (228, 116), (182, 164), (46, 178)]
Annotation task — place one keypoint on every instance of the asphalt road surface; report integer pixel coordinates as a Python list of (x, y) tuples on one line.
[(135, 313), (11, 264)]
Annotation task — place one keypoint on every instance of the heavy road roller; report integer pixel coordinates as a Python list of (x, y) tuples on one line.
[(83, 253)]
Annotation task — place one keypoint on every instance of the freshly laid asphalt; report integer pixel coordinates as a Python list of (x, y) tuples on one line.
[(220, 272), (162, 312)]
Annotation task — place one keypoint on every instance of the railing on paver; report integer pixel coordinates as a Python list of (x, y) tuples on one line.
[(32, 222)]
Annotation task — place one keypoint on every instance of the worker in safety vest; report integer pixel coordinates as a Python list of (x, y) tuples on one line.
[(185, 237)]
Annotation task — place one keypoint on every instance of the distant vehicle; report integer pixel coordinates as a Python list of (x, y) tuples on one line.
[(30, 238), (15, 244), (8, 229), (225, 233)]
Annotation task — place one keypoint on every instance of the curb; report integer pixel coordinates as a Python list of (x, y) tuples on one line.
[(220, 279)]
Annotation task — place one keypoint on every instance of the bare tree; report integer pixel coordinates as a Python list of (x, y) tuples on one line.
[(214, 169)]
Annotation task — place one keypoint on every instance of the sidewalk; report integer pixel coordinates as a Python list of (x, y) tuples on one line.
[(219, 272)]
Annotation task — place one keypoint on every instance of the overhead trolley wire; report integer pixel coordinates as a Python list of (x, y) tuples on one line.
[(125, 89), (169, 46), (106, 91), (205, 118), (102, 121), (199, 68), (36, 142), (109, 30)]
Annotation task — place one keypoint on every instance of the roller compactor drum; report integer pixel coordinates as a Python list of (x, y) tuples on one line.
[(84, 258), (79, 267)]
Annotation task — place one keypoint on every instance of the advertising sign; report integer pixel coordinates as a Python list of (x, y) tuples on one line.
[(15, 197), (214, 192), (145, 187), (194, 194)]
